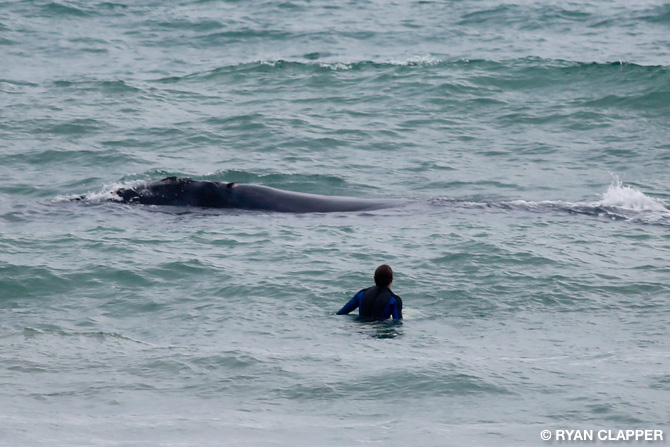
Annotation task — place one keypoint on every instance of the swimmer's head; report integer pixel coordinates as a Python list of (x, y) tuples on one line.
[(383, 276)]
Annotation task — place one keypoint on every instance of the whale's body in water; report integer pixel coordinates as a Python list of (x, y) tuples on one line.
[(620, 203), (176, 191)]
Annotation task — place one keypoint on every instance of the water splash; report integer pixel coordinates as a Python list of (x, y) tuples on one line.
[(619, 202), (625, 197), (105, 194)]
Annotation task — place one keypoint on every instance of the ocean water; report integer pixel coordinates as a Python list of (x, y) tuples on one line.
[(530, 139)]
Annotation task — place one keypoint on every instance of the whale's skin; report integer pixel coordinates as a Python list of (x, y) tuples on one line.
[(178, 191)]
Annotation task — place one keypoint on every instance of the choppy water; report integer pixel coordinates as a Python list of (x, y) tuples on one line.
[(531, 139)]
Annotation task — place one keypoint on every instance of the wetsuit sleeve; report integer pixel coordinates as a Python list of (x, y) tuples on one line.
[(397, 309), (352, 304)]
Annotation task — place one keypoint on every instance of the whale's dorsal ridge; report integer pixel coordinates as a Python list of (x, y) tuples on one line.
[(179, 191)]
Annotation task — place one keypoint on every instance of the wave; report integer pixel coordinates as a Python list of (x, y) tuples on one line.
[(314, 62), (75, 10), (526, 17), (519, 70), (531, 17), (657, 15)]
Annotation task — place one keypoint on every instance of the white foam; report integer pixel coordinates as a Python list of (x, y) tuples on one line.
[(425, 60), (106, 194), (629, 198), (412, 314), (420, 60), (335, 66)]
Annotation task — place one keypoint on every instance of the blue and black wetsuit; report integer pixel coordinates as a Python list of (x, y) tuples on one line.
[(375, 303)]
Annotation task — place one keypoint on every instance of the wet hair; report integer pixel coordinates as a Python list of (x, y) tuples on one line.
[(383, 276)]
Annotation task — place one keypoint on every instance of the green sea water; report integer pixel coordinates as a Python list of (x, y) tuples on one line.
[(529, 140)]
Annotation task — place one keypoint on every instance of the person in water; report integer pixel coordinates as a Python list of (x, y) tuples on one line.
[(377, 302)]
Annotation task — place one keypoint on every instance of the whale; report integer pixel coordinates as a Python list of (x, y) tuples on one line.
[(187, 192)]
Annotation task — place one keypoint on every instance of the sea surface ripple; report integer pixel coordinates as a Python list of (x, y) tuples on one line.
[(529, 140)]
